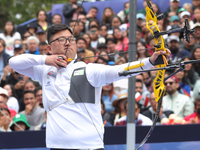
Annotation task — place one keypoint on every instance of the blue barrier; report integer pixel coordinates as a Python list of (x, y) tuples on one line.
[(114, 137)]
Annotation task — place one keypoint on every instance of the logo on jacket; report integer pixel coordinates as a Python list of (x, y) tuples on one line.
[(79, 72), (51, 74)]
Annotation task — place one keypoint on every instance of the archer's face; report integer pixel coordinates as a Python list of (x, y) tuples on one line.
[(56, 48)]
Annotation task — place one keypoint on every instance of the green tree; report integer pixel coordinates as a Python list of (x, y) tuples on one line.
[(20, 11)]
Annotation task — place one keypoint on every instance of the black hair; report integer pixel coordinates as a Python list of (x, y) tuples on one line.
[(58, 15), (56, 28), (81, 38), (29, 81), (43, 43), (37, 89), (94, 27), (13, 31), (138, 80), (111, 39), (125, 4), (3, 43), (29, 91), (115, 17), (95, 20), (6, 109), (93, 7)]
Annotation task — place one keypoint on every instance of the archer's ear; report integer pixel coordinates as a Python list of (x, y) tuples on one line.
[(49, 49)]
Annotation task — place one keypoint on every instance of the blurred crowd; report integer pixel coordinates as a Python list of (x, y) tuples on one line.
[(21, 106)]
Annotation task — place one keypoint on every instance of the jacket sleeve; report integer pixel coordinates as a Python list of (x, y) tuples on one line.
[(29, 65), (68, 10), (99, 75), (188, 110)]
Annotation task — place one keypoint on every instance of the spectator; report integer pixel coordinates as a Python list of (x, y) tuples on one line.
[(188, 7), (9, 36), (191, 75), (19, 123), (122, 43), (180, 104), (140, 17), (12, 101), (189, 46), (18, 49), (195, 56), (174, 6), (197, 32), (56, 19), (105, 115), (108, 13), (74, 25), (108, 96), (3, 101), (5, 119), (141, 51), (143, 11), (197, 15), (94, 33), (33, 113), (42, 20), (31, 28), (32, 43), (150, 113), (122, 14), (88, 42), (103, 31), (186, 15), (81, 26), (94, 22), (140, 119), (41, 35), (184, 88), (38, 95), (25, 36), (156, 8), (71, 10), (101, 60), (43, 48), (195, 4), (194, 117), (111, 43), (115, 22), (4, 57), (174, 20), (176, 53), (81, 43), (180, 10), (92, 13), (119, 111)]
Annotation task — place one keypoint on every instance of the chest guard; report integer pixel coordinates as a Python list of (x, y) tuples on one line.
[(81, 91)]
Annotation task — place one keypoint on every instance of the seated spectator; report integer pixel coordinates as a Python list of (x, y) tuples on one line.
[(195, 56), (119, 111), (105, 115), (174, 7), (186, 15), (148, 81), (115, 22), (92, 13), (56, 19), (3, 101), (33, 113), (12, 101), (142, 54), (94, 33), (5, 119), (188, 7), (122, 43), (103, 30), (180, 104), (9, 36), (32, 43), (71, 10), (101, 60), (74, 25), (108, 13), (111, 43), (150, 113), (189, 46), (88, 42), (38, 95), (140, 119), (18, 49), (43, 48), (176, 53), (196, 14), (190, 74), (3, 55), (174, 20), (41, 35), (108, 96), (197, 32), (194, 117), (122, 13), (82, 43), (31, 28), (42, 20), (81, 26), (19, 123), (24, 38), (184, 88)]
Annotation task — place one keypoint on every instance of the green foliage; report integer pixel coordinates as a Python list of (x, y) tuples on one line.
[(27, 9)]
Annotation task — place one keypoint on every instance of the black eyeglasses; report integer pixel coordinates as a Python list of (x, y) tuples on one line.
[(63, 40), (169, 83)]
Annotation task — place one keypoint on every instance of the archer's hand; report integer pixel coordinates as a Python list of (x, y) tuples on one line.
[(156, 54), (53, 60)]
